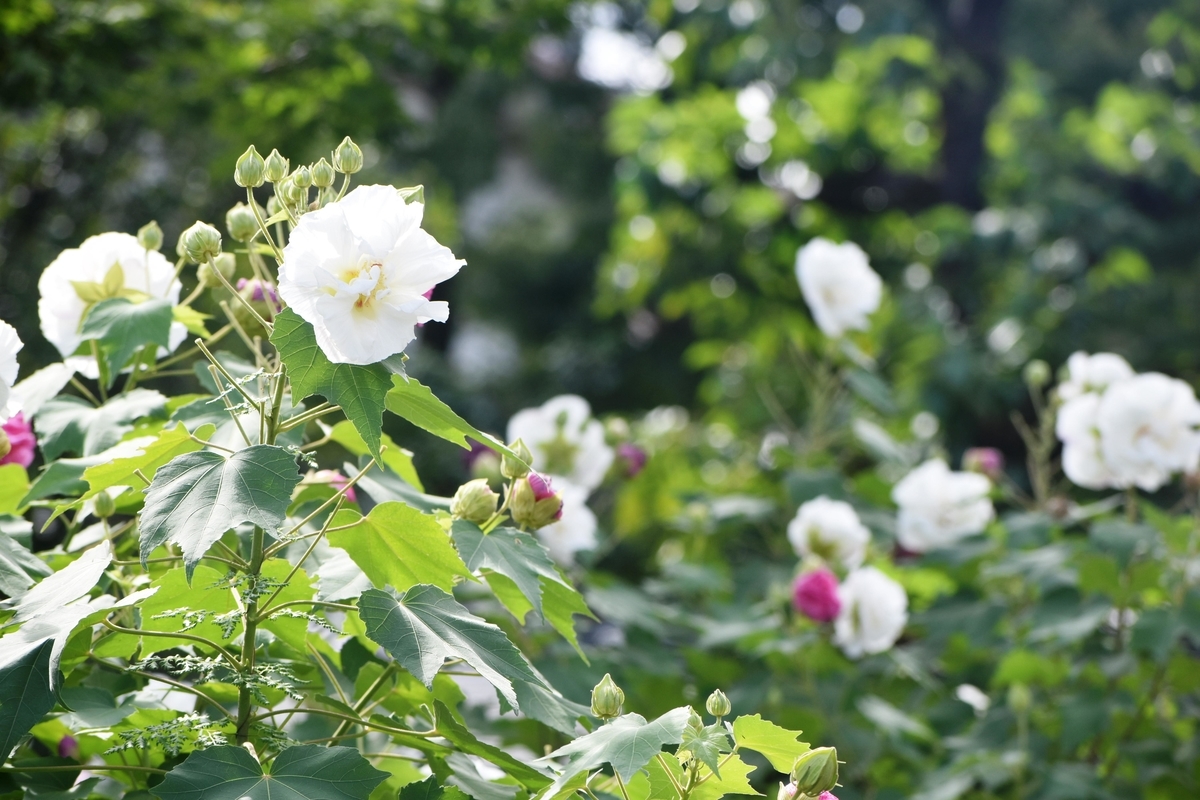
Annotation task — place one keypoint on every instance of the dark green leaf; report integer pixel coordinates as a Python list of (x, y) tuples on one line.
[(71, 425), (304, 772), (198, 496), (429, 789), (19, 568), (121, 327), (627, 743), (466, 776), (512, 553), (359, 390), (25, 695), (466, 742)]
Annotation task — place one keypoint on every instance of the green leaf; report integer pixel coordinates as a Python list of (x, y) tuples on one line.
[(414, 402), (14, 485), (512, 553), (25, 695), (734, 779), (198, 496), (563, 604), (398, 546), (395, 458), (69, 424), (120, 471), (429, 789), (425, 626), (541, 702), (628, 743), (184, 607), (19, 568), (304, 772), (191, 319), (466, 776), (121, 327), (291, 629), (706, 745), (359, 390), (780, 746), (466, 742)]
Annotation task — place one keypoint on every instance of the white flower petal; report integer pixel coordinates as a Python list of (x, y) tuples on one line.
[(938, 507), (838, 284)]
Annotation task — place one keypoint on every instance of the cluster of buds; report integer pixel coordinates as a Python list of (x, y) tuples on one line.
[(291, 186), (531, 500)]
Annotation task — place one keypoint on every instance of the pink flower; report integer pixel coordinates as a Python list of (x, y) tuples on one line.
[(21, 438), (257, 288), (827, 796), (335, 479), (542, 489), (815, 595), (632, 457), (985, 460), (68, 747)]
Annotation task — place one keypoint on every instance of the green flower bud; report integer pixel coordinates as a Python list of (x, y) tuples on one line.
[(290, 193), (534, 503), (322, 174), (150, 236), (202, 242), (512, 468), (105, 507), (1036, 374), (250, 169), (474, 501), (273, 206), (302, 177), (226, 265), (718, 704), (816, 771), (347, 158), (695, 722), (607, 698), (241, 223), (5, 444), (1020, 699), (275, 167)]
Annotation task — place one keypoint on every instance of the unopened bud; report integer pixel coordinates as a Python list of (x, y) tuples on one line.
[(290, 193), (241, 223), (347, 158), (787, 791), (202, 242), (534, 503), (474, 501), (816, 771), (718, 704), (514, 468), (302, 177), (607, 698), (275, 167), (105, 507), (250, 169), (985, 460), (1020, 699), (226, 264), (273, 206), (322, 174), (5, 444), (694, 720), (1036, 374), (150, 236)]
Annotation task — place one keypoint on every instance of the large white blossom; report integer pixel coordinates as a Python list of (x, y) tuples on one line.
[(1148, 430), (10, 345), (838, 284), (938, 507), (1092, 374), (567, 443), (104, 266), (359, 270), (873, 614), (575, 531), (1082, 457), (831, 530)]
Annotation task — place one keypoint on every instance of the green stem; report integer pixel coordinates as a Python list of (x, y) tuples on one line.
[(102, 366), (245, 696), (173, 635), (80, 767), (621, 784), (667, 769), (276, 405), (366, 697), (262, 225), (229, 287)]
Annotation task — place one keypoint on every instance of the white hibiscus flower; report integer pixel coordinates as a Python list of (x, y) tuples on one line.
[(359, 271), (1148, 430), (838, 284), (566, 441), (873, 614), (10, 345), (104, 266), (830, 529), (575, 531), (1092, 374), (1082, 457), (938, 507)]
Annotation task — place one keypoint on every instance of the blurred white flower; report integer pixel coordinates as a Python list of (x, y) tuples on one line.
[(973, 696), (104, 266), (1092, 373), (873, 614), (10, 344), (831, 530), (575, 530), (1148, 430), (566, 441), (838, 284), (359, 271), (619, 60), (1082, 459), (938, 507)]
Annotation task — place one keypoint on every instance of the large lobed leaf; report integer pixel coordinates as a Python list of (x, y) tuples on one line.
[(780, 745), (513, 553), (398, 546), (120, 327), (71, 425)]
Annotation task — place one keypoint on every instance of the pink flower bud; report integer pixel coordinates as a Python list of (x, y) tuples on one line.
[(633, 457), (335, 479), (542, 490), (985, 460), (827, 796), (815, 595), (257, 292), (21, 439), (68, 747)]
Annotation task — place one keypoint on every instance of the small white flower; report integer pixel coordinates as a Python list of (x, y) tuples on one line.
[(973, 696), (838, 284), (1148, 429), (938, 507), (575, 530), (566, 441), (1082, 457), (831, 530), (1092, 373), (359, 271), (10, 345), (873, 614), (76, 280)]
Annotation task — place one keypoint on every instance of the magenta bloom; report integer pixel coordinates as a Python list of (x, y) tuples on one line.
[(985, 460), (815, 595), (633, 457), (21, 438), (335, 479), (257, 292), (68, 747), (827, 796), (542, 489)]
